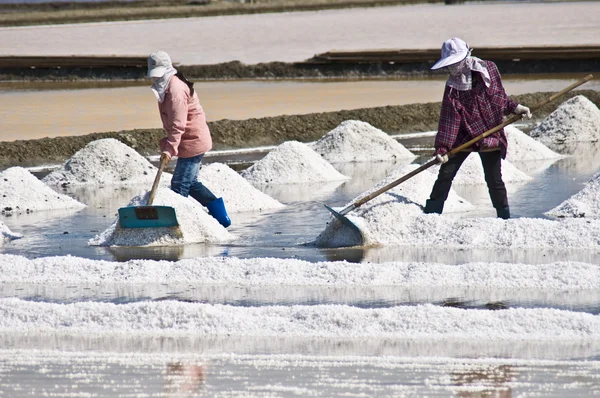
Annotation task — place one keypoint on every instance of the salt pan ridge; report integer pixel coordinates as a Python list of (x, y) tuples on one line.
[(357, 141), (399, 224)]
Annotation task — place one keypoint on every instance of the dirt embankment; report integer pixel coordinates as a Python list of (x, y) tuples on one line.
[(229, 134)]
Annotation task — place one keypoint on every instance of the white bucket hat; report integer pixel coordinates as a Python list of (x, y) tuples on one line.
[(158, 63), (453, 51)]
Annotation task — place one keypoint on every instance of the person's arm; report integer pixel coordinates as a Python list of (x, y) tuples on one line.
[(448, 125), (176, 109), (510, 105)]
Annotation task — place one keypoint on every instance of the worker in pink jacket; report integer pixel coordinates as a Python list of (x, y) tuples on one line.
[(187, 134)]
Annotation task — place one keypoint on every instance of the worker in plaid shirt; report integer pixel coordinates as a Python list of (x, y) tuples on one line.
[(474, 102)]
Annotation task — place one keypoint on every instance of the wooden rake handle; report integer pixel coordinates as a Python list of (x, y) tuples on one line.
[(163, 162), (467, 144)]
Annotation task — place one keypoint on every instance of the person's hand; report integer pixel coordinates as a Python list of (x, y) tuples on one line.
[(165, 157), (523, 110), (442, 158)]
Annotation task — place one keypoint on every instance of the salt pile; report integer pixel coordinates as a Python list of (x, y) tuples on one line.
[(406, 225), (6, 234), (471, 172), (585, 203), (575, 120), (195, 225), (103, 162), (522, 147), (291, 163), (414, 190), (239, 195), (22, 192), (357, 141)]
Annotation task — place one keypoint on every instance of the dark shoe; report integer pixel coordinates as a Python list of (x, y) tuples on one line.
[(216, 208), (433, 206), (503, 213)]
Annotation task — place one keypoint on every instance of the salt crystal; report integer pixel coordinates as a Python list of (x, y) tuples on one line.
[(195, 225), (105, 162), (471, 172), (6, 235), (575, 120), (21, 192), (522, 147), (357, 141), (239, 195), (396, 224), (416, 190), (585, 203), (291, 163)]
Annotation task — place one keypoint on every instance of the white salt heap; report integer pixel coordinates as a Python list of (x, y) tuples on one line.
[(195, 225), (575, 120), (21, 192), (406, 225), (585, 203), (291, 163), (522, 147), (239, 195), (103, 162), (471, 172), (6, 234), (414, 190), (357, 141)]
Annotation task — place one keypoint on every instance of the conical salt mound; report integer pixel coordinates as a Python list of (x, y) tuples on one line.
[(6, 235), (357, 141), (522, 147), (415, 190), (105, 162), (239, 195), (195, 225), (575, 120), (471, 172), (585, 203), (291, 163), (22, 192)]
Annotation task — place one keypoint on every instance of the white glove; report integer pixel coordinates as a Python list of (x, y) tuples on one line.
[(442, 158), (522, 110)]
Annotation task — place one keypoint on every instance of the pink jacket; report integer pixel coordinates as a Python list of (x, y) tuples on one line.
[(183, 121)]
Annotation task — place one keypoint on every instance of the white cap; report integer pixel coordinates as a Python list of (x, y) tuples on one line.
[(158, 63), (453, 51)]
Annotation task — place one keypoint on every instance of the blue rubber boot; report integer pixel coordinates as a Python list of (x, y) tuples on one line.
[(503, 213), (433, 206), (216, 208)]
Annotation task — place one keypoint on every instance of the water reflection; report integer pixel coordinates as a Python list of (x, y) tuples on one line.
[(484, 381), (183, 379)]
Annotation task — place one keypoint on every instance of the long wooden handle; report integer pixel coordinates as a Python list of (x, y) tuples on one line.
[(163, 162), (454, 151)]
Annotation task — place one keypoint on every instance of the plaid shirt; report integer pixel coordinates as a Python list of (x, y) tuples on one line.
[(468, 114)]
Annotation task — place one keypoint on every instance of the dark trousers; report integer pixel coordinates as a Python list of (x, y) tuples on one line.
[(492, 168)]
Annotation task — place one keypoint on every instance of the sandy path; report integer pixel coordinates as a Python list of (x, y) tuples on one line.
[(297, 36)]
